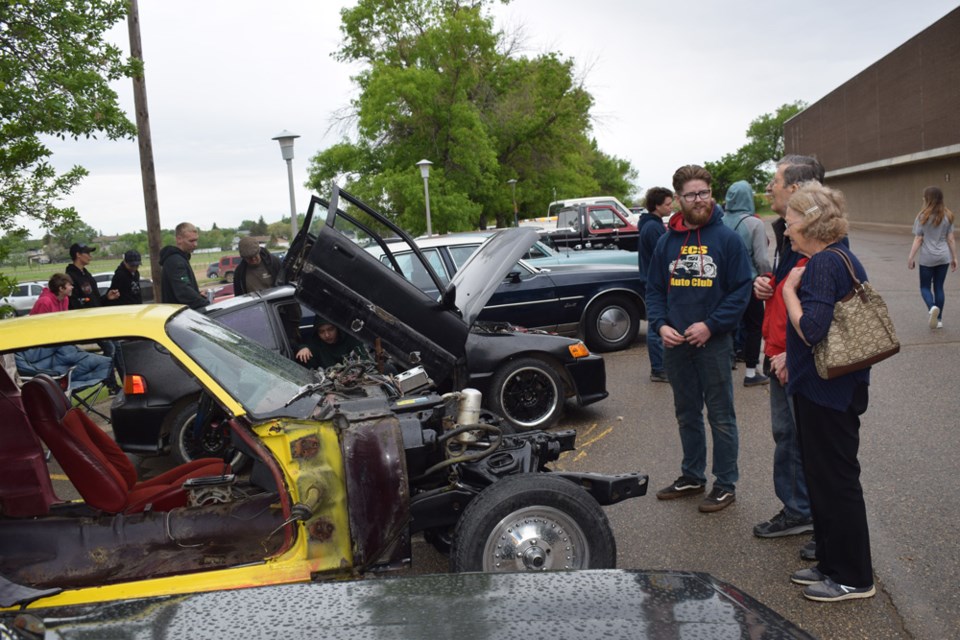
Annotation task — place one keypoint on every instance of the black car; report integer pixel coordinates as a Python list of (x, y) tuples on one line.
[(524, 376)]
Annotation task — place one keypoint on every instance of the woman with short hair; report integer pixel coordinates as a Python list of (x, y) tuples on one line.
[(827, 411)]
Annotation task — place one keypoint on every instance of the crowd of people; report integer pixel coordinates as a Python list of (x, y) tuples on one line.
[(713, 297)]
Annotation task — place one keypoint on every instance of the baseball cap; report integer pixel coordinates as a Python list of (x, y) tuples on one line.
[(80, 247), (248, 247), (132, 258)]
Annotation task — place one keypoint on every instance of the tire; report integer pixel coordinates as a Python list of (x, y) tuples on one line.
[(533, 522), (214, 443), (529, 393), (611, 323)]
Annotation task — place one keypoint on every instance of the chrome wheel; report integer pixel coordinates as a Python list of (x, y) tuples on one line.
[(537, 538)]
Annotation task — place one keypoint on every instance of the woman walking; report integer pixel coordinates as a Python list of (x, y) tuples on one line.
[(933, 231), (827, 411)]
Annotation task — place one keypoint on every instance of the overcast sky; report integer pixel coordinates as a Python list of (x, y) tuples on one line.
[(673, 83)]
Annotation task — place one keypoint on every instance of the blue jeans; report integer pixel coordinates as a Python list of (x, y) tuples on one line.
[(654, 350), (931, 285), (698, 376), (789, 481)]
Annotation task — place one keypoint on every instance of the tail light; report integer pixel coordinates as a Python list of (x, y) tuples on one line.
[(134, 385)]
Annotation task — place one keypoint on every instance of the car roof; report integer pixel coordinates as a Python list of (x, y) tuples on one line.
[(86, 325)]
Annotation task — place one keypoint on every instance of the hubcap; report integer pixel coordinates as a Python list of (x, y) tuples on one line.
[(537, 538), (613, 323)]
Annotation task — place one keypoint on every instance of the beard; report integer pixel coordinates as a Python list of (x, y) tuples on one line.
[(697, 214)]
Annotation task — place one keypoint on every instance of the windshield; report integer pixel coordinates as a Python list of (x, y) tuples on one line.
[(259, 379)]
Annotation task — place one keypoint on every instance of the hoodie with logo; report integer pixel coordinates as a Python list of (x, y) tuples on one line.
[(698, 275)]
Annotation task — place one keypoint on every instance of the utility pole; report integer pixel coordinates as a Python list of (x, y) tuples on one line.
[(145, 142)]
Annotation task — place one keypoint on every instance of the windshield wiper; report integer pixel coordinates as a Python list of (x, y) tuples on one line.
[(307, 389)]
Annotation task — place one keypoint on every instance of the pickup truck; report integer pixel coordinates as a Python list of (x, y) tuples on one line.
[(591, 226)]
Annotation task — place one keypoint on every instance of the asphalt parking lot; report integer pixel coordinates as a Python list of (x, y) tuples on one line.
[(909, 436)]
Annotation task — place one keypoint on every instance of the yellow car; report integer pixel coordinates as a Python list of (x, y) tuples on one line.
[(346, 467)]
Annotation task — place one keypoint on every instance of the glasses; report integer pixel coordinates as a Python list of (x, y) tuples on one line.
[(693, 195), (787, 225)]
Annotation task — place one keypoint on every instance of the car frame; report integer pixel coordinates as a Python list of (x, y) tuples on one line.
[(342, 477)]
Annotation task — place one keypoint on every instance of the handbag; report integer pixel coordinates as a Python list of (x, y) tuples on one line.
[(861, 333)]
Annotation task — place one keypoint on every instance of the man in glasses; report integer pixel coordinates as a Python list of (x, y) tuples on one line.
[(789, 483), (698, 285)]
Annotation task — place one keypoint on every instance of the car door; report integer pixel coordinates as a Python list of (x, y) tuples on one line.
[(527, 297)]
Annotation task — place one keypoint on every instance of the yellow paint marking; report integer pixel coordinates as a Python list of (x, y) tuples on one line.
[(58, 476), (602, 435)]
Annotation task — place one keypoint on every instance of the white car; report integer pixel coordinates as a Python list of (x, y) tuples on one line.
[(23, 297)]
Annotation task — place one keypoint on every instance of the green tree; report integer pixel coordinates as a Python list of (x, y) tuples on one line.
[(439, 83), (55, 70), (754, 161)]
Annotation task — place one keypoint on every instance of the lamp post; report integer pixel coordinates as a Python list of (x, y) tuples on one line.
[(285, 138), (425, 174), (513, 187)]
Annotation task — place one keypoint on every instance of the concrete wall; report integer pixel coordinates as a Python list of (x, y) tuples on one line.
[(891, 130)]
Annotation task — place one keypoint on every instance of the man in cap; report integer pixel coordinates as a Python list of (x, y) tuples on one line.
[(126, 279), (258, 270), (85, 292), (178, 283)]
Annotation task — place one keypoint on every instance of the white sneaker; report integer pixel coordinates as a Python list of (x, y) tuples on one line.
[(934, 319), (939, 324)]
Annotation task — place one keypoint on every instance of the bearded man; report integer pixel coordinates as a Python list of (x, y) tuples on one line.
[(698, 286)]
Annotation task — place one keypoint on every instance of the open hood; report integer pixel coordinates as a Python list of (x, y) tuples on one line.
[(478, 278)]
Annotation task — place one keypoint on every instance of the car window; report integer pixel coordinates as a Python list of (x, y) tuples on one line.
[(252, 322), (605, 218), (461, 253), (537, 251), (414, 272)]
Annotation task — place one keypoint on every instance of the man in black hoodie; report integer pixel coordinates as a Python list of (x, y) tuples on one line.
[(178, 284)]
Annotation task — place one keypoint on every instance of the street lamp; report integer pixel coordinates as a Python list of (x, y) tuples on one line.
[(425, 174), (285, 138), (513, 186)]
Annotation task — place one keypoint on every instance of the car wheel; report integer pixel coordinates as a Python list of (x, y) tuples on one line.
[(214, 440), (611, 323), (533, 522), (529, 393)]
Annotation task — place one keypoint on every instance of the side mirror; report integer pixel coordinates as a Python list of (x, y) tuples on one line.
[(513, 277), (449, 297)]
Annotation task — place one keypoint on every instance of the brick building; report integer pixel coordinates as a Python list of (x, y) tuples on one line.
[(891, 130)]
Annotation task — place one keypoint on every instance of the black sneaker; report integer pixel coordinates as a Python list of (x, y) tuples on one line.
[(808, 551), (807, 576), (659, 376), (782, 525), (717, 499), (830, 591), (755, 380), (681, 487)]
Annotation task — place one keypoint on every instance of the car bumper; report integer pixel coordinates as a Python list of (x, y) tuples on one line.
[(589, 376)]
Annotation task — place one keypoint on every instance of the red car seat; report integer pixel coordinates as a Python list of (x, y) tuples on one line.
[(95, 465), (25, 487)]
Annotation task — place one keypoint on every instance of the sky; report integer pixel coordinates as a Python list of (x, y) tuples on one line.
[(673, 83)]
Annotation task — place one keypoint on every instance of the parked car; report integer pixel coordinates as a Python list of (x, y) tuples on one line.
[(583, 605), (525, 377), (600, 303), (345, 469), (227, 265), (628, 212), (106, 277), (23, 297), (213, 270)]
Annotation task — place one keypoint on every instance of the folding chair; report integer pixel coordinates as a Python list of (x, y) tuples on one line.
[(84, 393)]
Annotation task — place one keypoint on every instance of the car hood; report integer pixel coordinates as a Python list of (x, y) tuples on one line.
[(478, 278)]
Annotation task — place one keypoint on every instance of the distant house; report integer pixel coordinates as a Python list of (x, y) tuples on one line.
[(891, 130)]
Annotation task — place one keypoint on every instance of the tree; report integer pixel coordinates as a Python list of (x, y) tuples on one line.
[(754, 161), (440, 84), (55, 70)]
